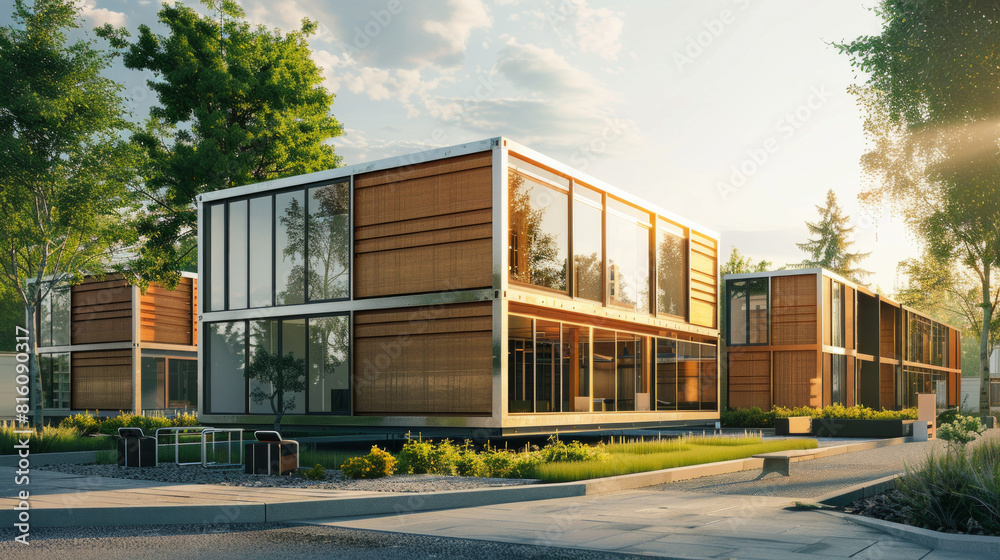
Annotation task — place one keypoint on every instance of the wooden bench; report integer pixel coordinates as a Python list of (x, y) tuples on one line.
[(778, 461)]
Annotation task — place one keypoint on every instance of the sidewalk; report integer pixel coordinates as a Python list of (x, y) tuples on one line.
[(732, 512)]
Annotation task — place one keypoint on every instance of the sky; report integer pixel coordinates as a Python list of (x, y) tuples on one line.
[(732, 113)]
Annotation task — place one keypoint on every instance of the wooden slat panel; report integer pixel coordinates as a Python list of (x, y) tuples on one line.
[(886, 386), (703, 240), (102, 380), (166, 314), (433, 367), (750, 379), (793, 309), (796, 381), (451, 165), (451, 235), (850, 377), (429, 196), (702, 313), (455, 266), (418, 225), (703, 264), (849, 318)]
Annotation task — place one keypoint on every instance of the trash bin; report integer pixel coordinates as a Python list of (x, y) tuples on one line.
[(135, 449), (271, 454)]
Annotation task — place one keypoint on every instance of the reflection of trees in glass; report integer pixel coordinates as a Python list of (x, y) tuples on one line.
[(619, 287), (671, 276), (276, 375), (328, 348), (534, 253), (588, 276), (293, 222), (329, 242)]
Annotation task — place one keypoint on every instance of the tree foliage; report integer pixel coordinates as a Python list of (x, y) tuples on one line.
[(64, 165), (738, 263), (237, 105), (829, 247), (276, 375), (932, 99)]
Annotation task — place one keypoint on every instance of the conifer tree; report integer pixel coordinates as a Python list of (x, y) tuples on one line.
[(830, 243)]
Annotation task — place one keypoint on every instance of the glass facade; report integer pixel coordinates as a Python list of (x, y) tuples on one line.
[(588, 255), (272, 249), (553, 367), (539, 230), (837, 315), (838, 379), (54, 371), (628, 256), (322, 342), (53, 317), (671, 269), (748, 311)]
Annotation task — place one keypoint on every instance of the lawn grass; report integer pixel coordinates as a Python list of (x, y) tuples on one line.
[(50, 440), (330, 458), (643, 456)]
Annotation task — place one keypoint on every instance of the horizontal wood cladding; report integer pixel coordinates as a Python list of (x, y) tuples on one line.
[(887, 330), (427, 361), (796, 379), (750, 379), (101, 311), (166, 316), (102, 380), (704, 280), (424, 228), (793, 310), (886, 386)]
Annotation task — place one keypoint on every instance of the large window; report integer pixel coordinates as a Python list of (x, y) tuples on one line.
[(271, 249), (837, 314), (588, 257), (54, 371), (838, 378), (321, 342), (628, 256), (548, 366), (748, 311), (329, 241), (686, 375), (538, 239), (54, 317), (671, 269)]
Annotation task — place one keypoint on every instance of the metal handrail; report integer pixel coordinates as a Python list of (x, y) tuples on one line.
[(229, 446), (176, 431)]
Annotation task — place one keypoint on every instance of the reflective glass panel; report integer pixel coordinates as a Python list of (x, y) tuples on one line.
[(289, 248), (329, 367), (238, 254), (261, 226), (329, 241), (216, 258), (520, 364), (588, 259), (671, 270), (538, 232), (226, 359)]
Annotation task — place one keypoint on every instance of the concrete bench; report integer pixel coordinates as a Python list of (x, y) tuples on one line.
[(778, 461)]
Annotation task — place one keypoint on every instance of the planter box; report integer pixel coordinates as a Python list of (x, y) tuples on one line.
[(835, 427), (793, 426), (989, 421)]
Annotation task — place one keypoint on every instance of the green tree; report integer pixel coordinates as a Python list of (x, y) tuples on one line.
[(64, 166), (932, 99), (276, 375), (741, 264), (830, 247), (237, 105)]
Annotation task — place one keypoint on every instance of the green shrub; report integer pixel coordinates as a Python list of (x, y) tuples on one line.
[(444, 457), (752, 417), (148, 424), (377, 463), (497, 463), (469, 463), (524, 465), (186, 419), (558, 451), (963, 430), (315, 473), (85, 423), (416, 457), (50, 439), (841, 412)]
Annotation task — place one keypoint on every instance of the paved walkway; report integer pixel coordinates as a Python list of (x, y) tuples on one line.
[(735, 515)]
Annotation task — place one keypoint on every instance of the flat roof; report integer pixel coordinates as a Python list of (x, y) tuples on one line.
[(447, 152)]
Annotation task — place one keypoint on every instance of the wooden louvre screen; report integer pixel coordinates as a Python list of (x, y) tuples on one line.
[(425, 227), (101, 311), (704, 280), (427, 361), (887, 331), (796, 381), (102, 380), (793, 310), (166, 314), (886, 386), (849, 322), (750, 379)]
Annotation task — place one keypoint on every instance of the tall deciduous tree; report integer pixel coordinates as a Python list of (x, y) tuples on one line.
[(830, 246), (933, 114), (64, 162), (237, 105)]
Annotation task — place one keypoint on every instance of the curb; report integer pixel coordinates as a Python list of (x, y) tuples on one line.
[(73, 457), (844, 496), (978, 545), (263, 511)]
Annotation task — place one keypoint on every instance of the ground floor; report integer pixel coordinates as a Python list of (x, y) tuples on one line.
[(471, 366)]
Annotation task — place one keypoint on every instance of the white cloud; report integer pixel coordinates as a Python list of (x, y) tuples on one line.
[(598, 31), (100, 16), (466, 16)]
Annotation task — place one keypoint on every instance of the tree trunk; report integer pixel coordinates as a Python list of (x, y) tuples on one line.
[(984, 349), (34, 372)]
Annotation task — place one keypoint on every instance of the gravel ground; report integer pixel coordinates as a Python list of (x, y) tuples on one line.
[(815, 477), (267, 541), (195, 474)]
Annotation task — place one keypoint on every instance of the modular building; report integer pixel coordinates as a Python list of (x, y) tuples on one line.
[(104, 345), (478, 288), (812, 338)]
